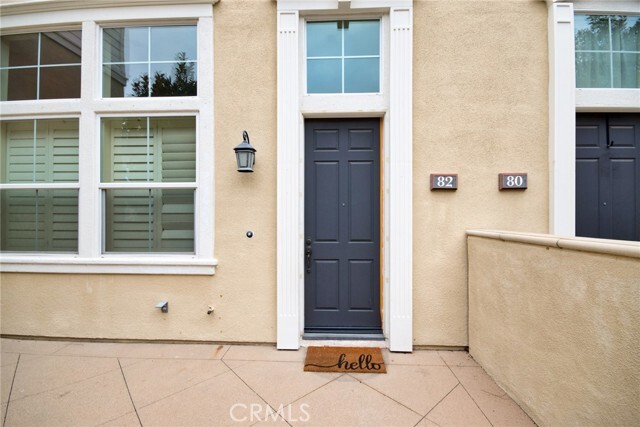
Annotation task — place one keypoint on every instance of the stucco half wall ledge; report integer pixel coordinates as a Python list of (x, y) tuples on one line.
[(584, 244)]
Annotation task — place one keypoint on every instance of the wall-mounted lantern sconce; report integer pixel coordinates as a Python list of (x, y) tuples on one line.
[(245, 154)]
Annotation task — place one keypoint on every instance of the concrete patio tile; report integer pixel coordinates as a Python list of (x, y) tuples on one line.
[(6, 380), (8, 359), (8, 345), (128, 420), (266, 353), (458, 409), (280, 383), (348, 402), (420, 388), (492, 400), (418, 357), (458, 358), (211, 403), (233, 364), (272, 421), (145, 350), (426, 423), (90, 402), (46, 373), (154, 379)]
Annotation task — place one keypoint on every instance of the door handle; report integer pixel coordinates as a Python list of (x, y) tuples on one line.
[(307, 255)]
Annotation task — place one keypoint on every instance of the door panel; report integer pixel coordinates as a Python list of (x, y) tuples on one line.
[(608, 176), (342, 226)]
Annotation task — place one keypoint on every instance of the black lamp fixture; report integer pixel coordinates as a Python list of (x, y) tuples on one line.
[(245, 154)]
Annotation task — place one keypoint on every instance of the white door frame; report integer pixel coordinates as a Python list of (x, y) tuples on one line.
[(398, 123)]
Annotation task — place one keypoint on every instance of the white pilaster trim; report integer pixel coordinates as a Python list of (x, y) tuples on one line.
[(562, 121), (289, 252), (398, 317), (401, 185), (205, 200)]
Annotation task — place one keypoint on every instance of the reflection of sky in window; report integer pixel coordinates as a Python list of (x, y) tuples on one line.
[(362, 38), (323, 39), (135, 44), (168, 42), (343, 56)]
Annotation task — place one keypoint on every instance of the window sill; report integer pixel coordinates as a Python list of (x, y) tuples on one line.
[(132, 264), (604, 100)]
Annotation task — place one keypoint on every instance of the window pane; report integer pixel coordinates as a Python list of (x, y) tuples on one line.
[(121, 80), (165, 67), (19, 84), (19, 50), (593, 69), (39, 220), (324, 75), (39, 151), (324, 39), (125, 44), (173, 43), (626, 70), (63, 47), (138, 149), (362, 38), (45, 80), (625, 33), (361, 75), (174, 79), (59, 82), (592, 32), (149, 220)]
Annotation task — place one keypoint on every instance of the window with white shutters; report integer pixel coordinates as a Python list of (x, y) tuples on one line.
[(141, 150), (106, 119), (40, 170)]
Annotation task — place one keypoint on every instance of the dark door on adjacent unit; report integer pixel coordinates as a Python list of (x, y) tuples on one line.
[(608, 176), (342, 226)]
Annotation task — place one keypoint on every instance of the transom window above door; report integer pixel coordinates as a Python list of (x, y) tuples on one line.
[(343, 56), (607, 51)]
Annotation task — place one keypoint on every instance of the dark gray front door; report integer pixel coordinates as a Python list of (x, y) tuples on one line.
[(342, 226), (608, 176)]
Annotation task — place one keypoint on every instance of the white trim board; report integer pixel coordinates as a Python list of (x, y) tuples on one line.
[(395, 105)]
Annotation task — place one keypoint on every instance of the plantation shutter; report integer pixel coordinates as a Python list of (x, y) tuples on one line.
[(178, 165), (40, 219), (152, 220)]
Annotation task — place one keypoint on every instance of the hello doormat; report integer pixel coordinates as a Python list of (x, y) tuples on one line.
[(344, 359)]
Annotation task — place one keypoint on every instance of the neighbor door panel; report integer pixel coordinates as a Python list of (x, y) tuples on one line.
[(608, 176)]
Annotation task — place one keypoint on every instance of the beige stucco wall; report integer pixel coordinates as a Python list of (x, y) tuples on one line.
[(480, 108), (243, 290), (558, 329)]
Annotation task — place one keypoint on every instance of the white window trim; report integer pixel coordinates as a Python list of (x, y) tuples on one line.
[(395, 105), (90, 108), (565, 100)]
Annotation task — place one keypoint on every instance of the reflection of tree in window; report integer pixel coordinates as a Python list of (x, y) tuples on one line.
[(607, 51), (181, 83)]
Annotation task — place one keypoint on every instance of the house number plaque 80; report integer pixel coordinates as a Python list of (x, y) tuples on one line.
[(512, 181)]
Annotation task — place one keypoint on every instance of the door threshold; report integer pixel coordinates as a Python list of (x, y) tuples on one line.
[(318, 336)]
